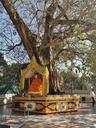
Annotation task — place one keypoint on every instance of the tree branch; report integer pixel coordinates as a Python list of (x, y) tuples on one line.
[(11, 47), (66, 22), (68, 50), (28, 39)]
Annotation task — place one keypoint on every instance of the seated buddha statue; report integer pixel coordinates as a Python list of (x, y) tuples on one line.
[(36, 86)]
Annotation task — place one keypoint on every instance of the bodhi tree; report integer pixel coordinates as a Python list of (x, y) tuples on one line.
[(45, 24)]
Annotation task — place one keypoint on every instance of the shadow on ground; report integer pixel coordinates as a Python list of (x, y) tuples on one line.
[(84, 118)]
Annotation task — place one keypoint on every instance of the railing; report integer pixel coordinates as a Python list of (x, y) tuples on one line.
[(84, 94), (77, 92)]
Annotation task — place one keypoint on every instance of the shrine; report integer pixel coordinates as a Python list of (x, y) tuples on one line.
[(36, 99)]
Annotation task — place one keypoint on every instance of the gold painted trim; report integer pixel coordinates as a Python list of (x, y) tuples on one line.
[(34, 66)]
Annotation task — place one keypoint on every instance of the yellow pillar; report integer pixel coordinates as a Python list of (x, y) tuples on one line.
[(29, 82)]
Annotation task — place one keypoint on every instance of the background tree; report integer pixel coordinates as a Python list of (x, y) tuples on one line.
[(43, 24), (3, 64), (11, 75)]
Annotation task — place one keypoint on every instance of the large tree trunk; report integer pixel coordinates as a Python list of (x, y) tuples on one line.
[(48, 39), (51, 74), (28, 39)]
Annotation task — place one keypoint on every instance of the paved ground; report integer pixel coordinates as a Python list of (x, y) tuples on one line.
[(84, 118)]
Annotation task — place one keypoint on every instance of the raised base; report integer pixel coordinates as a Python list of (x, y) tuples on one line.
[(45, 105)]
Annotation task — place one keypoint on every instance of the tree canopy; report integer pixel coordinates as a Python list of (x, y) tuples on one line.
[(55, 31)]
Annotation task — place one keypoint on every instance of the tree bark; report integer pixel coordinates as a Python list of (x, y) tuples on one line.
[(28, 39), (48, 39)]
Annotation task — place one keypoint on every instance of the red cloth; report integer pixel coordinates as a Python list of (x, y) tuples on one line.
[(36, 86)]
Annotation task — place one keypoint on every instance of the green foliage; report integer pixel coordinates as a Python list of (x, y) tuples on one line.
[(72, 79), (11, 75), (22, 1), (2, 61), (3, 65), (92, 35), (91, 58)]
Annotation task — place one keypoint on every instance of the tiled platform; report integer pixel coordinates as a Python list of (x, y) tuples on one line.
[(10, 123), (64, 121), (84, 118)]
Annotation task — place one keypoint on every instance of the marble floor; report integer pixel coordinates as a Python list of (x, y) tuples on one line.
[(84, 118)]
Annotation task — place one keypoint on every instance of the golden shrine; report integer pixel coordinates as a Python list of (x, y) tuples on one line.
[(29, 71), (41, 103)]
